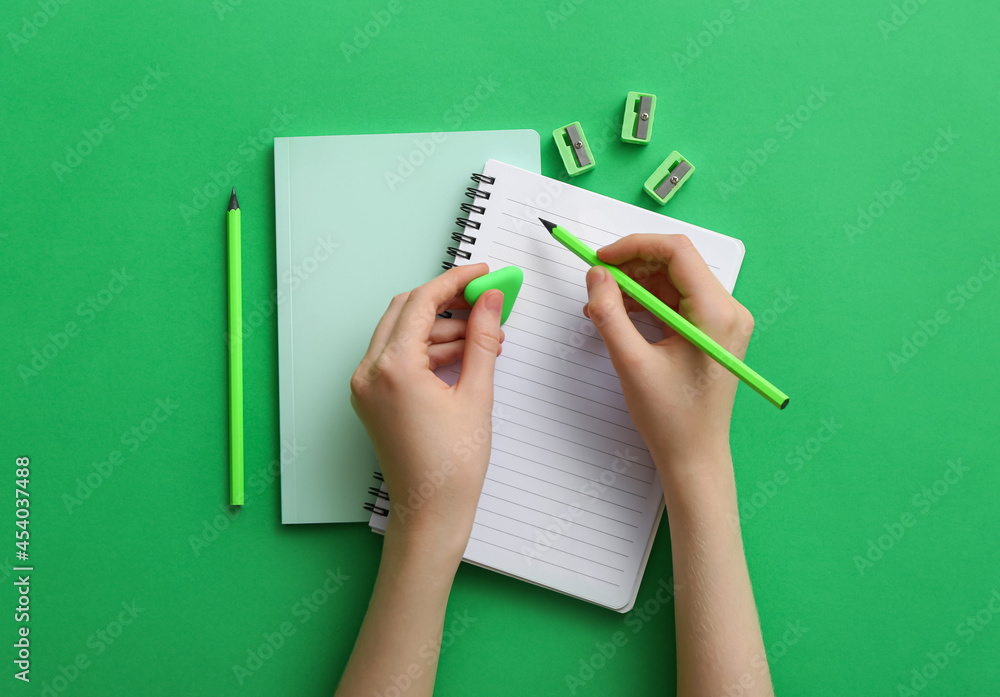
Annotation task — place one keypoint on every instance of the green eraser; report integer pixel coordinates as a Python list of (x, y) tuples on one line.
[(574, 149), (668, 177), (637, 126), (508, 280)]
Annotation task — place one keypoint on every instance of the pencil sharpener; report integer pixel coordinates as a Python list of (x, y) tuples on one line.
[(637, 126), (664, 182), (574, 149)]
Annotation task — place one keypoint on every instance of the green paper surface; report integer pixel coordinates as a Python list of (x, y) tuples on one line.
[(851, 146)]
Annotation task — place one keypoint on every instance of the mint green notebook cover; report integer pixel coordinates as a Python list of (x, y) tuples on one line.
[(358, 219)]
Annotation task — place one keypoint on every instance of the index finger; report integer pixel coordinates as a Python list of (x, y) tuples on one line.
[(685, 266), (416, 318)]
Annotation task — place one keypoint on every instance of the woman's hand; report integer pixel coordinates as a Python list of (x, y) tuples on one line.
[(418, 425), (680, 399), (432, 440)]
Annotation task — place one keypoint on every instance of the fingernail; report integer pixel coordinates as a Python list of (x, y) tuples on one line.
[(494, 301), (594, 276)]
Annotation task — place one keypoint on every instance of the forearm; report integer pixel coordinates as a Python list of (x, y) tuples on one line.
[(400, 637), (719, 645)]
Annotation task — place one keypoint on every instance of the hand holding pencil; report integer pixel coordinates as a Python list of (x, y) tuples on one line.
[(679, 397), (669, 316)]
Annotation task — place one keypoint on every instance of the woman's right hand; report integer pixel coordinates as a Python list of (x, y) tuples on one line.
[(679, 398)]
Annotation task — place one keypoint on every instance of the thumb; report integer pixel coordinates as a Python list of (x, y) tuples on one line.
[(607, 311), (482, 341)]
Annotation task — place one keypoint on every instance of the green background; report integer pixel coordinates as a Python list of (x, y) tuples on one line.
[(832, 303)]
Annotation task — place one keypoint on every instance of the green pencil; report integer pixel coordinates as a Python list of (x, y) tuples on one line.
[(669, 317), (235, 354)]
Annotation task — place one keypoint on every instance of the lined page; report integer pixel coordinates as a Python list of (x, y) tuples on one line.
[(571, 495)]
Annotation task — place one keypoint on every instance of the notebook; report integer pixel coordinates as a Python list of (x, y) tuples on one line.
[(572, 498), (358, 219)]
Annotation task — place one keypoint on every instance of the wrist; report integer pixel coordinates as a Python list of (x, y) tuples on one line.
[(699, 486), (423, 547), (677, 437), (699, 459)]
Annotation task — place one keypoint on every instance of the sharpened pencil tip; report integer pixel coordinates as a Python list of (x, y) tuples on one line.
[(233, 202), (548, 226)]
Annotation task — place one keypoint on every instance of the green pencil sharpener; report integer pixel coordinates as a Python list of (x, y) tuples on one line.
[(637, 126), (574, 149), (668, 177)]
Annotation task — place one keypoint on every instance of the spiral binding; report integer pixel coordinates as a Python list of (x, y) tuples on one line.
[(476, 194), (379, 495)]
